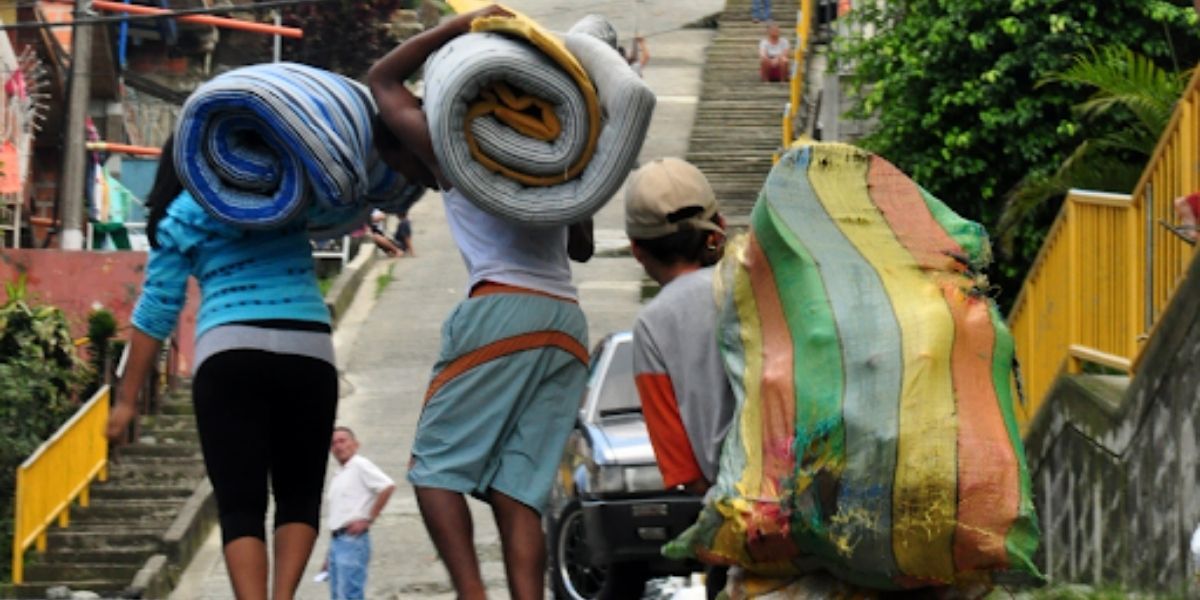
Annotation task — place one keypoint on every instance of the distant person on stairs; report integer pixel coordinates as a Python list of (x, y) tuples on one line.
[(638, 55), (773, 53), (760, 10)]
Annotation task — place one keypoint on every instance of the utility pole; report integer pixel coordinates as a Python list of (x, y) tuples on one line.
[(277, 46), (71, 190)]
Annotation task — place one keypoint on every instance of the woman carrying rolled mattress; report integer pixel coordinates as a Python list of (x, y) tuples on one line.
[(501, 402), (265, 388)]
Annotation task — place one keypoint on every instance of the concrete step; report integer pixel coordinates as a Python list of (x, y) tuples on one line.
[(169, 421), (750, 136), (135, 554), (176, 407), (139, 491), (151, 461), (170, 436), (738, 118), (127, 511), (737, 160), (103, 538), (747, 116), (180, 470), (160, 450), (106, 589), (35, 573)]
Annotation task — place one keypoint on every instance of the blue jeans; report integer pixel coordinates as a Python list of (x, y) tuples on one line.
[(349, 556), (760, 10)]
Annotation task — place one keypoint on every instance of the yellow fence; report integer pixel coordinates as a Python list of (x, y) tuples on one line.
[(1108, 268), (804, 20), (56, 474)]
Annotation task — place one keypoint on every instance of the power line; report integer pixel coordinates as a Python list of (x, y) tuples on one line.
[(166, 15)]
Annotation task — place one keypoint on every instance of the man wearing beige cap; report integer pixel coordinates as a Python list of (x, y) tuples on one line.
[(677, 235)]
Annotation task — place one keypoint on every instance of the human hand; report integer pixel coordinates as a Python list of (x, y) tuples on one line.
[(491, 10), (118, 421), (463, 22), (358, 527)]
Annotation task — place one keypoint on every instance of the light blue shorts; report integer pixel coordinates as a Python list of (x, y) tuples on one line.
[(503, 397)]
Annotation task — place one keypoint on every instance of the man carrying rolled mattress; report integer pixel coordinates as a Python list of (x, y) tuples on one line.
[(503, 395)]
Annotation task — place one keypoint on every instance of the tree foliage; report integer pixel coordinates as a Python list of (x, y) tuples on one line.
[(954, 86), (346, 36), (40, 373), (1129, 90)]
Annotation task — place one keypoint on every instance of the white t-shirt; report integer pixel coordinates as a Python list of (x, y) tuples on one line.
[(779, 48), (504, 252), (352, 491)]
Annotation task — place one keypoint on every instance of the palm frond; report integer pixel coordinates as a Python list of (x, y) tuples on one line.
[(1125, 79)]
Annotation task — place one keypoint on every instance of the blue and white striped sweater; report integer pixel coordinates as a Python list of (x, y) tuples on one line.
[(243, 275)]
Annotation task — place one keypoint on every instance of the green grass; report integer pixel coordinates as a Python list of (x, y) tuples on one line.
[(323, 284), (384, 280)]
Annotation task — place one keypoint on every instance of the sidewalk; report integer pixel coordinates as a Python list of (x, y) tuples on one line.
[(388, 340)]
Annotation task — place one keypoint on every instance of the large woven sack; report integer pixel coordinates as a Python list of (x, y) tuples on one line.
[(874, 435)]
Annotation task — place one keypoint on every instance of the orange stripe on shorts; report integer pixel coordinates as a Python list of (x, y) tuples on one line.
[(504, 347)]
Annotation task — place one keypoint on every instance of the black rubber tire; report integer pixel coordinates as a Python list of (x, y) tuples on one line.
[(570, 577), (626, 581)]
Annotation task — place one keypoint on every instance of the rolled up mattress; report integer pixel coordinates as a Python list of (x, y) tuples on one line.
[(258, 144), (533, 129)]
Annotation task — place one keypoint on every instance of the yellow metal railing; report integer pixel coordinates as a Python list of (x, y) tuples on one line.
[(1079, 296), (1108, 268), (804, 20), (56, 474)]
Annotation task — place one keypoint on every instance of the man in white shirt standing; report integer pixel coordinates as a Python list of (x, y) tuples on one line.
[(357, 494)]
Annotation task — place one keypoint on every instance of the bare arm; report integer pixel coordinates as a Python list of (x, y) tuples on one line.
[(644, 53), (381, 500), (142, 351), (399, 109), (580, 243)]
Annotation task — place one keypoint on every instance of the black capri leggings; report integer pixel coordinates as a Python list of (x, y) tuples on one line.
[(262, 414)]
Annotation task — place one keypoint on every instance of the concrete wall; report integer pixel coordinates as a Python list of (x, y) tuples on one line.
[(76, 282), (1115, 468)]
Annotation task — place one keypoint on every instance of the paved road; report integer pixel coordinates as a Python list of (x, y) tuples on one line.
[(388, 341)]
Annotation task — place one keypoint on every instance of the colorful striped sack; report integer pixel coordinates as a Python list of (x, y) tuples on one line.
[(874, 435)]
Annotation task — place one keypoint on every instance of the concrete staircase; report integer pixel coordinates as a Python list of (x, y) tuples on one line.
[(739, 118), (142, 525)]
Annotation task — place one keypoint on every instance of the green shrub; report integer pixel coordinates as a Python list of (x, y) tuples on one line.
[(40, 375), (102, 326)]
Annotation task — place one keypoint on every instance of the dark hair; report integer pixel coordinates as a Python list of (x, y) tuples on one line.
[(684, 246), (396, 155), (166, 188)]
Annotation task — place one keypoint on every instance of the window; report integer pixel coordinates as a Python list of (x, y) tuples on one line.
[(618, 394)]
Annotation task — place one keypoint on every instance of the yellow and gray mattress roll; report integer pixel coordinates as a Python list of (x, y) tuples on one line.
[(534, 128)]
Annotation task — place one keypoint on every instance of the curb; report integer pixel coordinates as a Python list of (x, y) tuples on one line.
[(178, 545), (344, 288), (151, 579)]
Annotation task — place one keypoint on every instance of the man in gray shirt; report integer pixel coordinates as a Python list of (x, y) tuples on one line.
[(677, 235)]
